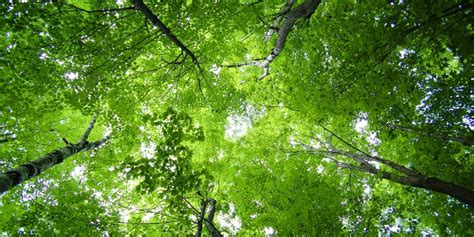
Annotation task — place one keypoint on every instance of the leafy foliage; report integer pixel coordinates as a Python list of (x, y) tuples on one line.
[(386, 79)]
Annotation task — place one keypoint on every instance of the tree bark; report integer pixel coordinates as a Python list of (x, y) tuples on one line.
[(287, 18), (210, 218), (16, 176), (304, 10), (413, 179), (140, 5), (201, 218)]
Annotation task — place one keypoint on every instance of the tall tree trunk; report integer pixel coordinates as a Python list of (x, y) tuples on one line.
[(32, 169), (453, 190), (201, 218), (210, 218), (409, 177), (141, 6)]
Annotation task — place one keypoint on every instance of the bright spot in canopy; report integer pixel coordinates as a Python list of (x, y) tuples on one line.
[(78, 172), (237, 126), (147, 217), (268, 231), (215, 70), (229, 220), (361, 123), (71, 75), (148, 150)]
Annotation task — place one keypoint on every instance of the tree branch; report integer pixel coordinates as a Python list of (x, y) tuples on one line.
[(100, 10), (278, 19), (462, 140), (284, 23), (86, 134), (419, 181), (140, 5)]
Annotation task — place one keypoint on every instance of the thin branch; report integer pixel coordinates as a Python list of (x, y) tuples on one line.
[(347, 166), (409, 181), (366, 157), (342, 140), (192, 207), (97, 11), (363, 162), (254, 3), (86, 134), (121, 52), (142, 223), (462, 140)]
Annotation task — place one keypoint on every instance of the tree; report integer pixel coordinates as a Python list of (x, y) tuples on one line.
[(283, 24), (362, 97), (402, 174), (32, 169)]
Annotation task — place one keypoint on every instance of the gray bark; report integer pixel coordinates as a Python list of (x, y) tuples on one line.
[(7, 139), (286, 20), (16, 176), (304, 10), (210, 218), (140, 5), (410, 178), (201, 218)]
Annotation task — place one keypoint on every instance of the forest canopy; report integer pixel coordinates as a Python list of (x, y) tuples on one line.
[(250, 117)]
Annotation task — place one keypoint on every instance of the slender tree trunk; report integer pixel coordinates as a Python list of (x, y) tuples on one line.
[(141, 6), (410, 177), (453, 190), (201, 218), (16, 176), (210, 218)]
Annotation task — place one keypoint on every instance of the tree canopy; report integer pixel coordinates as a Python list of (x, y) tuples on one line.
[(265, 117)]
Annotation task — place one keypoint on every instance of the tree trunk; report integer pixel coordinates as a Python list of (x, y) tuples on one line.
[(455, 191), (210, 218), (201, 218), (410, 178), (141, 6), (32, 169)]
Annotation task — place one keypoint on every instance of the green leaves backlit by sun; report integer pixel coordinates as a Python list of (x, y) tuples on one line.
[(236, 118)]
